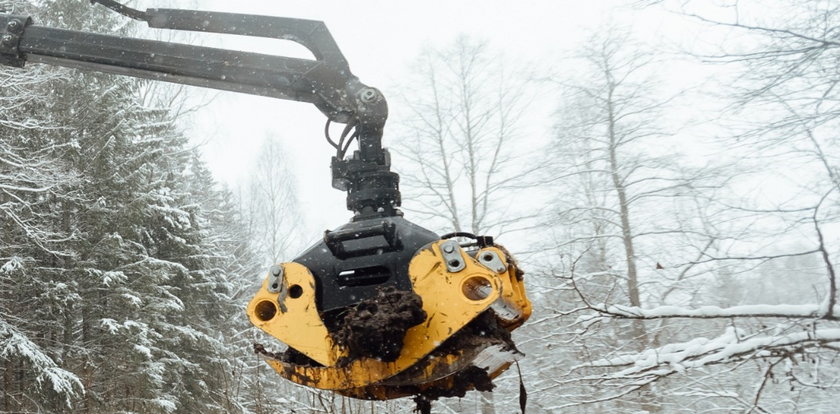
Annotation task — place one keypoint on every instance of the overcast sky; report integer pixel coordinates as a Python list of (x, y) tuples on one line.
[(380, 38)]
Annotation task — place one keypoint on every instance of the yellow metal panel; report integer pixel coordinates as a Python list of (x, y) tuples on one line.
[(299, 326), (512, 291)]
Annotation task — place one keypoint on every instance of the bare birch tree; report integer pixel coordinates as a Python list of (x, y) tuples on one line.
[(768, 345), (614, 189), (271, 201), (461, 139), (461, 144)]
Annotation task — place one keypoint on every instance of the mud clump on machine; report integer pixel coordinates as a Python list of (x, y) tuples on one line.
[(472, 378), (373, 328), (376, 327), (484, 331), (290, 355)]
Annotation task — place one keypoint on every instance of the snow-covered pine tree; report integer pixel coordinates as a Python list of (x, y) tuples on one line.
[(115, 273)]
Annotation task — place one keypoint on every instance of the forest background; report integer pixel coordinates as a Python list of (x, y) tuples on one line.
[(674, 201)]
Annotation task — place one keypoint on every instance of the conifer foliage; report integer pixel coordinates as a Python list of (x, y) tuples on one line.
[(120, 262)]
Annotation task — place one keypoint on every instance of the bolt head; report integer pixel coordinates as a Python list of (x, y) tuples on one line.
[(7, 38), (448, 248), (369, 95)]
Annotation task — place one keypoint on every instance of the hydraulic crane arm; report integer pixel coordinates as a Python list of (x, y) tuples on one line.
[(326, 82)]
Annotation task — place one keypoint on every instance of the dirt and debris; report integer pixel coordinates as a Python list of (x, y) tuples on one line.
[(375, 327), (290, 356), (483, 329), (520, 274), (457, 385)]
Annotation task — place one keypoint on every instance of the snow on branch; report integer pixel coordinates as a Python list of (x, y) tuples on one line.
[(699, 352), (15, 345), (713, 312)]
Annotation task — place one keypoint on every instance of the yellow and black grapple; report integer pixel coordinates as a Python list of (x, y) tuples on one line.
[(439, 312), (380, 308)]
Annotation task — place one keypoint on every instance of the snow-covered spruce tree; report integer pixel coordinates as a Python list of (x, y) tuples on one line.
[(116, 295), (34, 183)]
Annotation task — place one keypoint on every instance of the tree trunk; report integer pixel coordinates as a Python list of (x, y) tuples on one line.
[(648, 401), (638, 331), (7, 385), (487, 404)]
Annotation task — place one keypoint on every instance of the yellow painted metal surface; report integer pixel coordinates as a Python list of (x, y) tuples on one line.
[(365, 372), (299, 326), (513, 290)]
